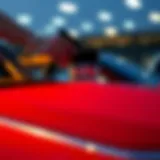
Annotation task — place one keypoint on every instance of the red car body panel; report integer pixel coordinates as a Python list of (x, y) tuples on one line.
[(17, 144), (120, 116)]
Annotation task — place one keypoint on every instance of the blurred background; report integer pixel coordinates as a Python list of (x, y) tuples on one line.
[(129, 29)]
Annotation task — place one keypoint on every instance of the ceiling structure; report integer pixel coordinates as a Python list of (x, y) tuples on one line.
[(81, 17)]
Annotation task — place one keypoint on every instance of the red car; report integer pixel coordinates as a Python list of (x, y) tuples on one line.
[(81, 120)]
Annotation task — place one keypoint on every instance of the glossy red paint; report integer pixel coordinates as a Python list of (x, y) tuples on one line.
[(17, 144), (123, 116)]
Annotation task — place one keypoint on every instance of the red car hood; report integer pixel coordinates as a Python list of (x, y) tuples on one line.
[(117, 115)]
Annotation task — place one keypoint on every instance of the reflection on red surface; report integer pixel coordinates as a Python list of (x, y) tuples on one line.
[(16, 144), (117, 115)]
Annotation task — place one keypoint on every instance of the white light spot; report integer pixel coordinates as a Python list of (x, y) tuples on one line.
[(73, 33), (68, 7), (90, 148), (104, 16), (111, 31), (129, 25), (87, 26), (154, 17), (58, 21), (134, 4), (24, 19)]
